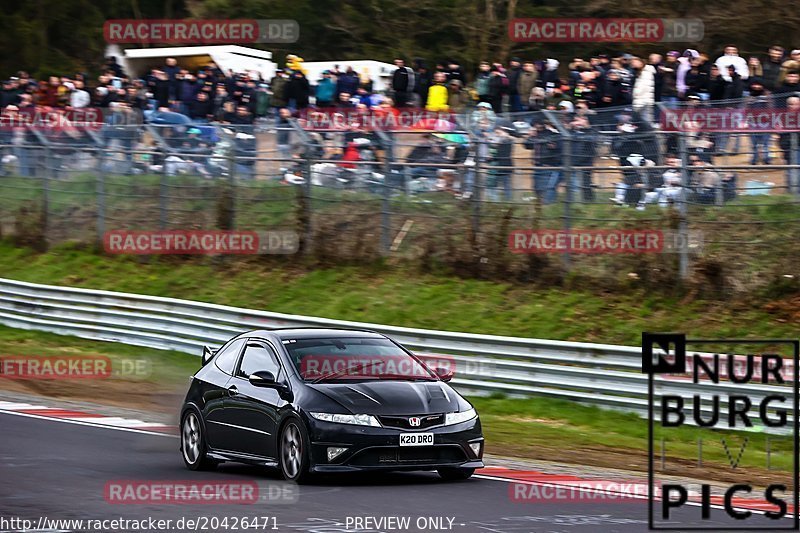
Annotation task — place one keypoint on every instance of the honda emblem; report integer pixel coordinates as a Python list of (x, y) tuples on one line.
[(414, 421)]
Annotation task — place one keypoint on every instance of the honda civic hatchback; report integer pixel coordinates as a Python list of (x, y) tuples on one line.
[(315, 400)]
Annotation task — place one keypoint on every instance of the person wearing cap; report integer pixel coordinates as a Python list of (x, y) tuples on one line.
[(731, 57), (278, 85), (325, 90)]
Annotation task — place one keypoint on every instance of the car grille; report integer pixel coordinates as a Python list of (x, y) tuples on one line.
[(399, 456), (401, 422)]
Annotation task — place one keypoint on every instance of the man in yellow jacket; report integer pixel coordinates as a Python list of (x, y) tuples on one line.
[(437, 94)]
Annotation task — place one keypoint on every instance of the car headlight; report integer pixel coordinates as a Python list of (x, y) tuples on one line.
[(358, 420), (457, 418)]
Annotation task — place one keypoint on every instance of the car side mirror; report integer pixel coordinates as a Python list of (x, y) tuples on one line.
[(208, 354), (262, 378), (445, 374)]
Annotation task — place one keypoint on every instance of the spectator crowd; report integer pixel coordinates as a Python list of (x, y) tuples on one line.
[(627, 87)]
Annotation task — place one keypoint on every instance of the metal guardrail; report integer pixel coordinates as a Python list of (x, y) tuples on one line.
[(601, 374)]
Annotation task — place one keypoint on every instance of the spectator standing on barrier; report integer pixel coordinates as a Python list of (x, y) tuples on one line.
[(403, 79), (644, 90), (500, 161), (583, 143), (325, 90), (526, 83)]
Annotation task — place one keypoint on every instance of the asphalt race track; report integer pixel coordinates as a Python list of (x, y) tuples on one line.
[(60, 470)]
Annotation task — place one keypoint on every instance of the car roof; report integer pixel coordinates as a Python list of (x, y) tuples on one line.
[(310, 333)]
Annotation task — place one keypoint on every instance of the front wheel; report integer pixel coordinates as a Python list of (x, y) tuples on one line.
[(193, 444), (293, 452), (455, 474)]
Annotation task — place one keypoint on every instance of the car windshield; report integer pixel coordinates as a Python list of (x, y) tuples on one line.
[(353, 358)]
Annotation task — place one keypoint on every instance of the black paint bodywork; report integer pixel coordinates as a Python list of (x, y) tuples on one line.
[(246, 426)]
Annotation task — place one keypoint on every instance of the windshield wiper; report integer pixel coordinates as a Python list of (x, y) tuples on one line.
[(338, 373)]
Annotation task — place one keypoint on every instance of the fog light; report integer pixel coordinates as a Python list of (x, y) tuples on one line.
[(476, 448), (333, 453)]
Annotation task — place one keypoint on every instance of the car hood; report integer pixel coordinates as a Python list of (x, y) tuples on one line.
[(394, 397)]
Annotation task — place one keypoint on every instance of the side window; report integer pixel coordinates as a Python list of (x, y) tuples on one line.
[(258, 357), (226, 358)]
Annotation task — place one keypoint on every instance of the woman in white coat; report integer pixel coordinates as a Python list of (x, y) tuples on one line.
[(644, 88)]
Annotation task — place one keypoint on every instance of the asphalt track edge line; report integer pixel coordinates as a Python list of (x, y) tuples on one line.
[(82, 423)]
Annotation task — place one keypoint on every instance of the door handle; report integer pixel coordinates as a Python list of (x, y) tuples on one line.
[(233, 391)]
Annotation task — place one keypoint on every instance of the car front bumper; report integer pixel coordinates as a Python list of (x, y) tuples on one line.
[(378, 448)]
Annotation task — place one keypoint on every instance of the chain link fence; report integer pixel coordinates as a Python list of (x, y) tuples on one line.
[(442, 195)]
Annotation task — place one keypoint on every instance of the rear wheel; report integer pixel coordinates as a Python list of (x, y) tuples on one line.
[(454, 474), (193, 444), (294, 452)]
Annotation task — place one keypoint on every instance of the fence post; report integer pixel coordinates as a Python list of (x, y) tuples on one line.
[(477, 194), (683, 211), (794, 182), (162, 200), (567, 164), (100, 191), (45, 215), (386, 216)]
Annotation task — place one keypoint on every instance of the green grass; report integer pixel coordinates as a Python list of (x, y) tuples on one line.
[(402, 297)]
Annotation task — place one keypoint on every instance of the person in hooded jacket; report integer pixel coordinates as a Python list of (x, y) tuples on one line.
[(298, 90), (549, 78)]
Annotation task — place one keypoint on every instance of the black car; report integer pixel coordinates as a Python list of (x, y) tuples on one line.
[(314, 400)]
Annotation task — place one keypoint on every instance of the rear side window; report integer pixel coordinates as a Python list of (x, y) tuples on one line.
[(226, 358)]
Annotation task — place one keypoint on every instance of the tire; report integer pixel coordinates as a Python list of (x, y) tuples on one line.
[(193, 444), (455, 474), (293, 452)]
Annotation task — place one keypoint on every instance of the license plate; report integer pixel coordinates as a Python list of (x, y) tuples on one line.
[(416, 439)]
